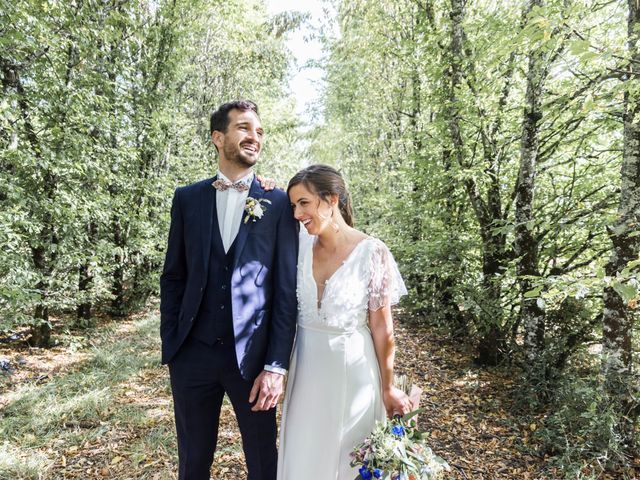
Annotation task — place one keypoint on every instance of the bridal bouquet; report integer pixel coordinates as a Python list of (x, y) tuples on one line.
[(396, 450)]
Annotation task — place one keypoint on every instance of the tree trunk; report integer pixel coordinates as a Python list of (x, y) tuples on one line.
[(532, 313), (118, 304), (459, 326), (134, 291), (491, 345), (618, 318), (416, 231), (85, 279), (42, 244), (44, 257), (119, 239), (40, 329)]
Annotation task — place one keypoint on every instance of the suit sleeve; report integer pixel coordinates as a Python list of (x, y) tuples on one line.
[(285, 303), (174, 272)]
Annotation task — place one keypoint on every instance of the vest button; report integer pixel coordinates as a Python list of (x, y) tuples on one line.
[(221, 307), (224, 287)]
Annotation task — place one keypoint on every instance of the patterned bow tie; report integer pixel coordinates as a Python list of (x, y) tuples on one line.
[(222, 185)]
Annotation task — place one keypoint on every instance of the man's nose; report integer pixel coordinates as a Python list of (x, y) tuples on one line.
[(253, 134)]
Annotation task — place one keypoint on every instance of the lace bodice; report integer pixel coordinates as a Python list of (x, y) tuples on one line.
[(367, 279)]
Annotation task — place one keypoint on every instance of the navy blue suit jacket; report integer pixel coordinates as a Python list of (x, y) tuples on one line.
[(263, 283)]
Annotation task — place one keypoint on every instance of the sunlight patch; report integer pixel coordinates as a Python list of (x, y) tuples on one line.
[(21, 463)]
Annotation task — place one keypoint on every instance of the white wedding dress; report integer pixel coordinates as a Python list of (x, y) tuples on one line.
[(333, 395)]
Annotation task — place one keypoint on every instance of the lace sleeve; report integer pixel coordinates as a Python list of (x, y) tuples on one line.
[(385, 285)]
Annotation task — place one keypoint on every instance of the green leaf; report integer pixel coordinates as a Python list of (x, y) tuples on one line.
[(578, 47), (533, 293), (588, 56), (625, 290), (408, 416)]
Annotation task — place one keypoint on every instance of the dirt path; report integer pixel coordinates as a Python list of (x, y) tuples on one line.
[(467, 408), (124, 429)]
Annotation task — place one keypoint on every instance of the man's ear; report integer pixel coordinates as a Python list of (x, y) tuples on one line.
[(217, 138)]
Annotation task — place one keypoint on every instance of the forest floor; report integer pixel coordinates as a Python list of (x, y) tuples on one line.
[(99, 406)]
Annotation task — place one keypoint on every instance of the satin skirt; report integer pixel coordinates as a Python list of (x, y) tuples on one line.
[(332, 402)]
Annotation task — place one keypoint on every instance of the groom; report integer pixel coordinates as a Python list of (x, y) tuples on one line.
[(228, 300)]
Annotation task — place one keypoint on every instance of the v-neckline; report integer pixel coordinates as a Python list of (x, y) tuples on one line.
[(320, 298)]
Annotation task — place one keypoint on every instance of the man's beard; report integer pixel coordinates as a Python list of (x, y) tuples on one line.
[(235, 155)]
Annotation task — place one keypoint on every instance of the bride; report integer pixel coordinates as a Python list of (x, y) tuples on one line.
[(341, 376)]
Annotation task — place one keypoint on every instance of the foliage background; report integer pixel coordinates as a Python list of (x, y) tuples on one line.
[(490, 144)]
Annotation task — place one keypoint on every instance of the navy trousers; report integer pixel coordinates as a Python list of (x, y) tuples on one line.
[(200, 376)]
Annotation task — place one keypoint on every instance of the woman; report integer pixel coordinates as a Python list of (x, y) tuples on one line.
[(341, 378)]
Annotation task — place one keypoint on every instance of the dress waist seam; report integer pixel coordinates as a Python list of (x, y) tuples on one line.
[(330, 330)]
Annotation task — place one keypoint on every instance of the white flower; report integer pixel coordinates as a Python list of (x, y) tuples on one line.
[(254, 208), (258, 211)]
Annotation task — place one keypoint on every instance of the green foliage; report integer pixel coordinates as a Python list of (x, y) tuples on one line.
[(425, 112), (581, 432), (451, 205), (104, 111)]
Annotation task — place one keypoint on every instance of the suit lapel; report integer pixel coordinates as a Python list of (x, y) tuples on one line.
[(256, 192), (208, 206)]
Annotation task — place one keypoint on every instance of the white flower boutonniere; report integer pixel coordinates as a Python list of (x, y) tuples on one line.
[(255, 208)]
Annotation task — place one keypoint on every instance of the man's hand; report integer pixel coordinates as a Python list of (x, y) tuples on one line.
[(268, 388)]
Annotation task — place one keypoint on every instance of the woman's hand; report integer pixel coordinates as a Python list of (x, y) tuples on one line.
[(267, 183), (396, 402)]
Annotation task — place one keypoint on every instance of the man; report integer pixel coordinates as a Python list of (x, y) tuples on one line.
[(228, 300)]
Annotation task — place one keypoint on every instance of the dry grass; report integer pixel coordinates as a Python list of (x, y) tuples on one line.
[(99, 406)]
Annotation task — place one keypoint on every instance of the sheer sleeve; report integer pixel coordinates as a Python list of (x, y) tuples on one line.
[(385, 285)]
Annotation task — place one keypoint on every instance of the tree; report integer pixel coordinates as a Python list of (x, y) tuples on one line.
[(525, 246), (104, 111), (618, 315)]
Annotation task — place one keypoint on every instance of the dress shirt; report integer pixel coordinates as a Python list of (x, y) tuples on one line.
[(230, 210)]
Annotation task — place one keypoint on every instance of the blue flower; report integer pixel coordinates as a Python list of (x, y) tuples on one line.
[(365, 473), (398, 430), (377, 473)]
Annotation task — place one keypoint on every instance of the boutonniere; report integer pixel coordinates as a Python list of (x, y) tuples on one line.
[(255, 208)]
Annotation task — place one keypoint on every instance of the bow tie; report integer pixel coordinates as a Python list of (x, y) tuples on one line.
[(222, 186)]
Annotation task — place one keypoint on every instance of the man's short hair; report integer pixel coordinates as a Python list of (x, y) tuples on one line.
[(220, 118)]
